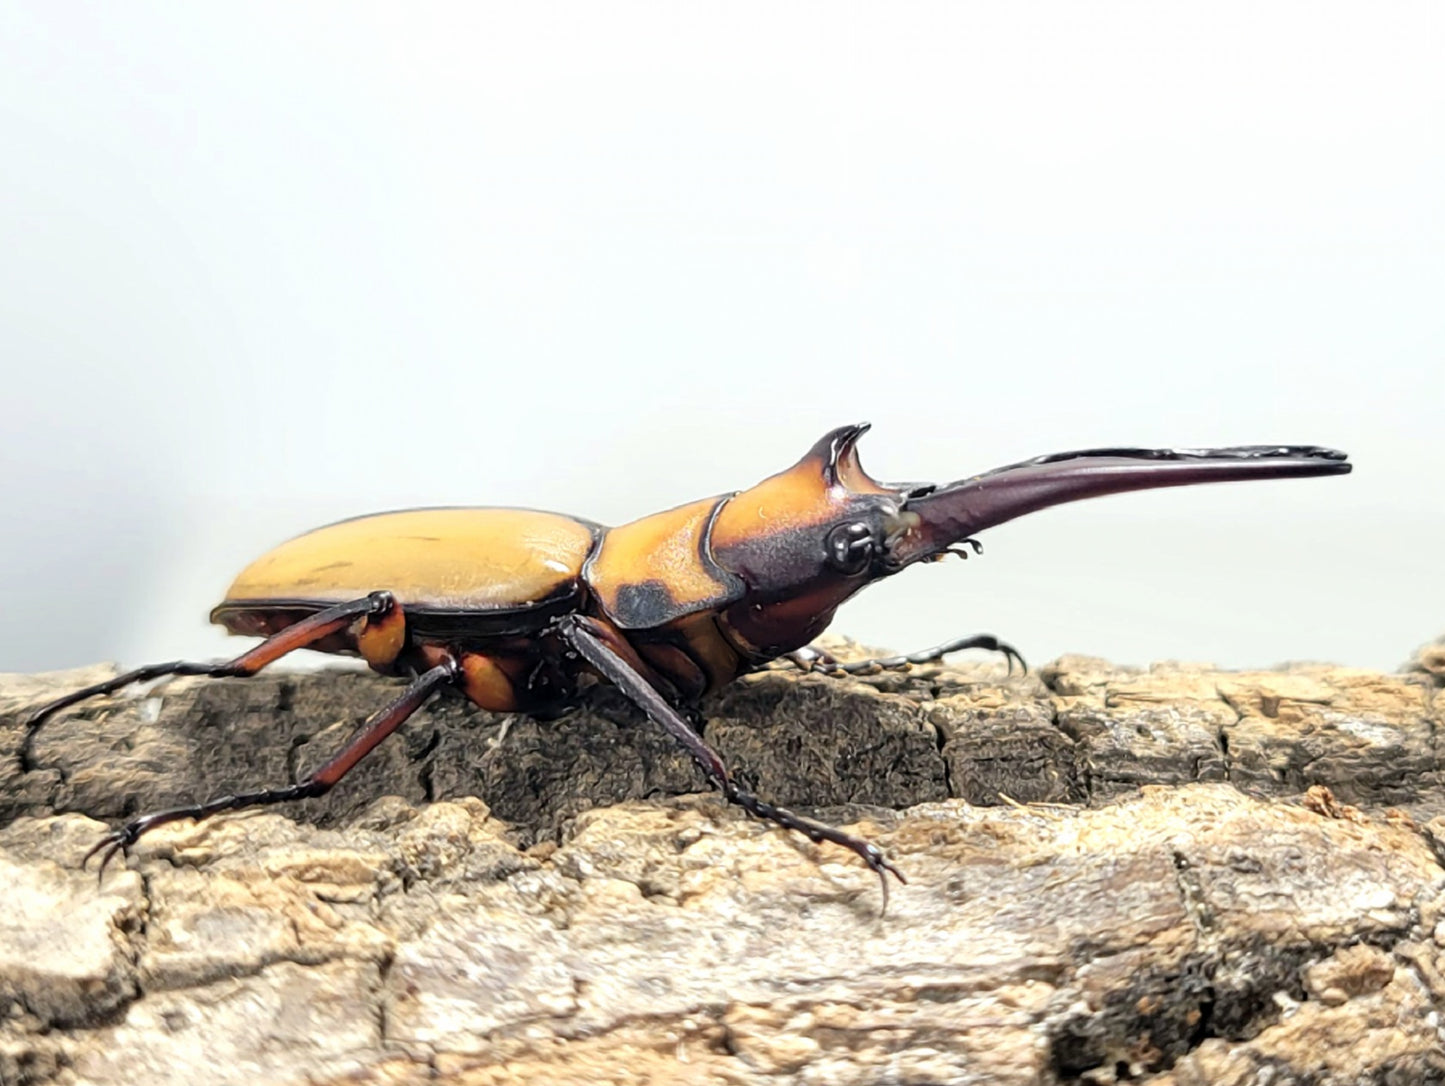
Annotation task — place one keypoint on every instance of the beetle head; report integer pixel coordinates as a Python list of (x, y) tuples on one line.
[(806, 539)]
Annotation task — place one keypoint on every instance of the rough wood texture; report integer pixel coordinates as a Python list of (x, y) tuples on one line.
[(1176, 875)]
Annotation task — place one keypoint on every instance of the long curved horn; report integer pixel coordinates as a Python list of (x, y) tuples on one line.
[(938, 519)]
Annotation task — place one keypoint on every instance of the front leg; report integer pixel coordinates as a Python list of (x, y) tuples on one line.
[(614, 659), (812, 658)]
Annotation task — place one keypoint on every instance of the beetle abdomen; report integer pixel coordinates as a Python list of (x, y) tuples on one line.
[(448, 560)]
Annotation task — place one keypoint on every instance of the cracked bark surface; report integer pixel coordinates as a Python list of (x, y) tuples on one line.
[(1174, 875)]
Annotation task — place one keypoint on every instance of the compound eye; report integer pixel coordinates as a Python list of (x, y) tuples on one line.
[(850, 547)]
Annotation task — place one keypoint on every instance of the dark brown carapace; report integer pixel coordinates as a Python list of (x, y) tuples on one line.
[(520, 610)]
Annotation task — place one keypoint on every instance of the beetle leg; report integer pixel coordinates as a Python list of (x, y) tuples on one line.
[(610, 656), (810, 658), (819, 661), (377, 727), (308, 631)]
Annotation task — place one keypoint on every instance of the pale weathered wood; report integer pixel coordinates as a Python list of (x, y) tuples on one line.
[(1209, 886)]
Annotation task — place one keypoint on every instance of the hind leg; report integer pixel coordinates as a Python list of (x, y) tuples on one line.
[(383, 626)]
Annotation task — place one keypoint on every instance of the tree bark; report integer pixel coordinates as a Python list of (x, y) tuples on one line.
[(1173, 875)]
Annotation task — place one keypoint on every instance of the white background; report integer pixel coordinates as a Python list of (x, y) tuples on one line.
[(263, 266)]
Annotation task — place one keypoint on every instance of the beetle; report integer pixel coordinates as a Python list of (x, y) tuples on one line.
[(521, 610)]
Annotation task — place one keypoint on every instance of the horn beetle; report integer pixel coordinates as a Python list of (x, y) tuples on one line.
[(520, 610)]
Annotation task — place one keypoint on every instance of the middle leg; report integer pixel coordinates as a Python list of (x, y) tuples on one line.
[(377, 727)]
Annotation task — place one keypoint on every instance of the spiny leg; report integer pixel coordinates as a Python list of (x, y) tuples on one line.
[(296, 636), (377, 727), (609, 656), (811, 658)]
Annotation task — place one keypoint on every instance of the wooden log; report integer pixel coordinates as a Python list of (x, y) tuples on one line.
[(1174, 875)]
